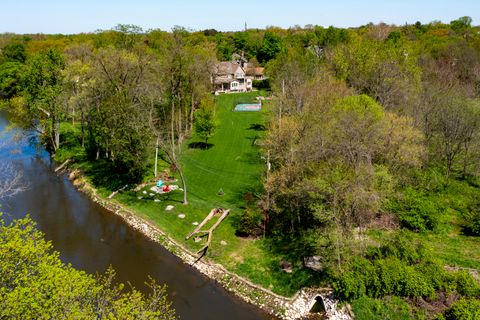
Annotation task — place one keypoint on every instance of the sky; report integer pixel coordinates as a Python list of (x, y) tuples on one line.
[(76, 16)]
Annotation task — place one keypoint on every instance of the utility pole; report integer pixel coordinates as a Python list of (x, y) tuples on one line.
[(245, 25), (156, 158), (269, 167)]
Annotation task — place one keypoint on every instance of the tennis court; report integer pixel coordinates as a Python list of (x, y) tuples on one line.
[(248, 107)]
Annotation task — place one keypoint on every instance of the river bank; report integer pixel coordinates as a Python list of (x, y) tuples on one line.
[(296, 307)]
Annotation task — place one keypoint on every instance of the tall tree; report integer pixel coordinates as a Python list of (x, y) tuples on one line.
[(43, 82)]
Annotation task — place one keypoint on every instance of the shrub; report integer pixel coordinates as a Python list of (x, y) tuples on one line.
[(249, 223), (349, 286), (373, 309), (415, 210), (464, 310), (466, 285), (261, 84), (472, 223)]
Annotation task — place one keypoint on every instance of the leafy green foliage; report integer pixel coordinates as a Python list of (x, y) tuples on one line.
[(271, 46), (35, 284), (400, 268), (205, 123), (13, 52), (472, 223), (464, 310), (381, 309), (249, 223), (461, 24), (10, 79), (416, 210), (331, 36)]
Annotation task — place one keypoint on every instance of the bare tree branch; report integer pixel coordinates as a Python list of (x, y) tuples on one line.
[(11, 179)]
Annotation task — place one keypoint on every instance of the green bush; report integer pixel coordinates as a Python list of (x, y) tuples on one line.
[(415, 210), (464, 310), (466, 285), (349, 286), (249, 223), (404, 270), (472, 223), (386, 309), (261, 84)]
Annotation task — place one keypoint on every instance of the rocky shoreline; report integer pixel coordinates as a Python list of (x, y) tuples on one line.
[(296, 307)]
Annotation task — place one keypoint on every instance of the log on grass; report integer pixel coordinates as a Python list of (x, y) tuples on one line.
[(63, 165)]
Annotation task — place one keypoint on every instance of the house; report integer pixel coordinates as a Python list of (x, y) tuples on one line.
[(231, 77), (236, 76)]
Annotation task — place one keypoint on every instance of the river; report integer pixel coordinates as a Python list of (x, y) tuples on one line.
[(91, 238)]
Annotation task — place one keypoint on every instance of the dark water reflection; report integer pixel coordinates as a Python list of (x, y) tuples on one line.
[(91, 238)]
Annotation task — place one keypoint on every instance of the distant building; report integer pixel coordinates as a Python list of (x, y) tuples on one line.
[(236, 76)]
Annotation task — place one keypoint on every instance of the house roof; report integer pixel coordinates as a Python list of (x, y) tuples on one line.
[(226, 68), (254, 71)]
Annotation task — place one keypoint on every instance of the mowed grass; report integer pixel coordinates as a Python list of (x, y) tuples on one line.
[(233, 165)]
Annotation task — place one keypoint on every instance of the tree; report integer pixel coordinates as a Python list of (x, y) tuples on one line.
[(333, 163), (43, 82), (461, 24), (205, 123), (35, 283), (118, 93), (271, 46), (13, 52), (10, 79), (386, 71), (456, 122)]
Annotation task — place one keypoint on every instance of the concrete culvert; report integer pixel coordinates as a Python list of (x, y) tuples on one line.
[(318, 306)]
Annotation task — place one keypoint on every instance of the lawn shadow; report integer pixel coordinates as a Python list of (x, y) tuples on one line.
[(257, 127), (104, 175), (200, 145)]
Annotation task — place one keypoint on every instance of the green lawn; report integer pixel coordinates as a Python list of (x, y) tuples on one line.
[(233, 164)]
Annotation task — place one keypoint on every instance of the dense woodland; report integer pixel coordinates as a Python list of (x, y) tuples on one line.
[(374, 130)]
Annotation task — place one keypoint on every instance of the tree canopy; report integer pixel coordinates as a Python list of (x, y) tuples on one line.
[(35, 284)]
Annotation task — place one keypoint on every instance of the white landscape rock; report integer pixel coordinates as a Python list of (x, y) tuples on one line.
[(223, 243), (139, 198), (157, 200), (195, 223), (151, 194), (169, 208), (181, 216), (144, 192)]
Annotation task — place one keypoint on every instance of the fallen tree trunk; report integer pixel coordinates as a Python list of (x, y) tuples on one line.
[(207, 218), (63, 165), (209, 232), (115, 192)]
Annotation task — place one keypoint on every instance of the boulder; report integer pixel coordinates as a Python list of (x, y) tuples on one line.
[(313, 262), (286, 266)]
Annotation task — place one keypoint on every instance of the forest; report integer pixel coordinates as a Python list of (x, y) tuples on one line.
[(372, 142)]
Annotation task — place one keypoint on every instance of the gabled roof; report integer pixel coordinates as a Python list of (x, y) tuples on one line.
[(226, 68)]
